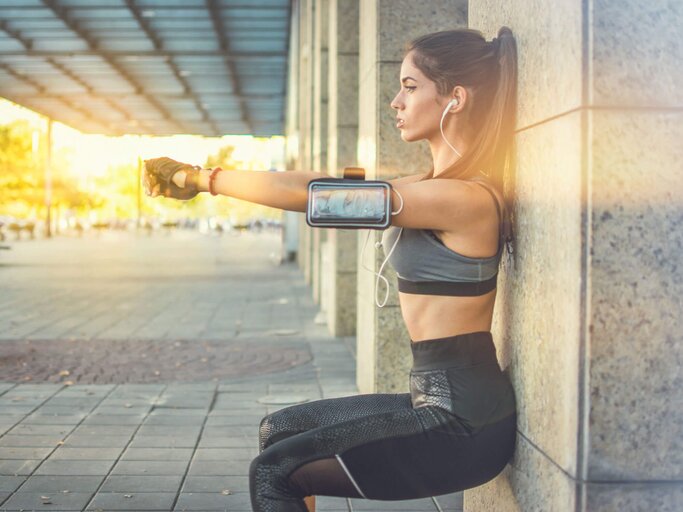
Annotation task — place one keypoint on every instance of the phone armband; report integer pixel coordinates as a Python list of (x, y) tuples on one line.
[(349, 203)]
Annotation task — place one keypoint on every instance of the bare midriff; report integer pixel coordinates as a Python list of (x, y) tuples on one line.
[(438, 316), (435, 316)]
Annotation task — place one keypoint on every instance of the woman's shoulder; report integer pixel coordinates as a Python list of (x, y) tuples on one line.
[(407, 179)]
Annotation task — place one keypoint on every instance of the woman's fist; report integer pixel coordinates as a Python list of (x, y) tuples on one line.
[(158, 179)]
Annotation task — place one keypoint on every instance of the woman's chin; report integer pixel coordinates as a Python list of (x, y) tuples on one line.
[(407, 137)]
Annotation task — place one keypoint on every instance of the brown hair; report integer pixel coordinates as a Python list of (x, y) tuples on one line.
[(489, 69)]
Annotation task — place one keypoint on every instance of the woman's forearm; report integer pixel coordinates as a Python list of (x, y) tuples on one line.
[(286, 190)]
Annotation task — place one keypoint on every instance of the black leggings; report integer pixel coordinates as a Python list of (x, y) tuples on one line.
[(453, 431)]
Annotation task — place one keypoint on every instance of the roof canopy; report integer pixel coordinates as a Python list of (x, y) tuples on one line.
[(159, 67)]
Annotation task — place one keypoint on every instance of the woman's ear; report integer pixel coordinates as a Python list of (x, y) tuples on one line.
[(459, 94)]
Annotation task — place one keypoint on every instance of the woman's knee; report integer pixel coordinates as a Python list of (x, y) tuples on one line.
[(269, 475), (280, 425)]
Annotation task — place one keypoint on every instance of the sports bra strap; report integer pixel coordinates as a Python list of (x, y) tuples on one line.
[(487, 187)]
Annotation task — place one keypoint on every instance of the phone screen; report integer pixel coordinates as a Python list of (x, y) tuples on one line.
[(346, 203)]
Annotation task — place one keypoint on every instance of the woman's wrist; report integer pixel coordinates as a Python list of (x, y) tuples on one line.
[(198, 179), (203, 180)]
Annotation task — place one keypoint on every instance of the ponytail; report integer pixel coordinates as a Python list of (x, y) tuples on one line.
[(464, 57)]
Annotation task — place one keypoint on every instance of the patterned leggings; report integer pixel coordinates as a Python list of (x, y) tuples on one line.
[(453, 431)]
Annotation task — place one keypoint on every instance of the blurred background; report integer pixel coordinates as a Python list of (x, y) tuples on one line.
[(95, 179)]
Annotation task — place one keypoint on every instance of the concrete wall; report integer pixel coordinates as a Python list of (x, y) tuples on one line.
[(341, 152), (385, 27), (589, 318)]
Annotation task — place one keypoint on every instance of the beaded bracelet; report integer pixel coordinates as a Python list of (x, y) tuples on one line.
[(212, 178)]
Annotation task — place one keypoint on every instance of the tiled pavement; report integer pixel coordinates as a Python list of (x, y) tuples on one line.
[(76, 439)]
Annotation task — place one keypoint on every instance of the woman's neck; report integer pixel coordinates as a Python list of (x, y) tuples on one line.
[(442, 155)]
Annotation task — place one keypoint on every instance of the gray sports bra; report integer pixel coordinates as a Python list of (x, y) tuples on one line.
[(424, 265)]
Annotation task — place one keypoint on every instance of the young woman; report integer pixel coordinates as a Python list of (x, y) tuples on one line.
[(456, 428)]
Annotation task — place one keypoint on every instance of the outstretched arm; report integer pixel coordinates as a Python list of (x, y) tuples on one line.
[(285, 190)]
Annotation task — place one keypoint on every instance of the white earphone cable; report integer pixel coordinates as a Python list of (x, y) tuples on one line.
[(445, 111), (386, 259)]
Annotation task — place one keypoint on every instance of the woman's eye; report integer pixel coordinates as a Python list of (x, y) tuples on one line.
[(410, 89)]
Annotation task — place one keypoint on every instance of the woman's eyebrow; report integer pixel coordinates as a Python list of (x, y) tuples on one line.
[(407, 78)]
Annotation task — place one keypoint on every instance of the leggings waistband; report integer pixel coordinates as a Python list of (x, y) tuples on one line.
[(457, 351)]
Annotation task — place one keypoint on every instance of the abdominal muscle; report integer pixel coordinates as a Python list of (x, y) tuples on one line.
[(435, 316)]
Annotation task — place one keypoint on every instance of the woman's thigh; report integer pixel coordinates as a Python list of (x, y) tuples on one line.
[(394, 455), (329, 411)]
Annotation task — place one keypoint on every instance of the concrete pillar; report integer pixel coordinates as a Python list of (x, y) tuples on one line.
[(307, 21), (383, 351), (341, 152), (290, 220), (589, 317), (319, 139)]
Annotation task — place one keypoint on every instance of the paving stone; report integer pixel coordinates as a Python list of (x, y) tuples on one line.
[(141, 483), (122, 409), (21, 401), (58, 483), (75, 467), (57, 501), (10, 483), (132, 501), (217, 421), (29, 441), (104, 430), (18, 467), (22, 453), (41, 430), (113, 419), (150, 467), (163, 442), (330, 504), (81, 453), (219, 468), (213, 501), (228, 454), (421, 505), (168, 430), (175, 420), (17, 409), (173, 411), (38, 419), (181, 454), (92, 441), (216, 484)]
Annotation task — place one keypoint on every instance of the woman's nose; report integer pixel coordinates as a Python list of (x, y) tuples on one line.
[(394, 103)]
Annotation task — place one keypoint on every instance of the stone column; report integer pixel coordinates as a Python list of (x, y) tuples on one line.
[(342, 138), (383, 351), (307, 21), (319, 142), (290, 220), (589, 318)]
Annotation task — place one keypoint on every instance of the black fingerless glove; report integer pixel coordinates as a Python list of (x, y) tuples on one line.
[(160, 171)]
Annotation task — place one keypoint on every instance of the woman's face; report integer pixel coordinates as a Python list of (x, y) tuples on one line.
[(418, 104)]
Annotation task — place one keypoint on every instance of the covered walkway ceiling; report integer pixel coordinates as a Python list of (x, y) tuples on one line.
[(159, 67)]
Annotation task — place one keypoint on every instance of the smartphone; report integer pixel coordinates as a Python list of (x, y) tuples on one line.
[(348, 204)]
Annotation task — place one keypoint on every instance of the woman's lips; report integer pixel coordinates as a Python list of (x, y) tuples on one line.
[(400, 123)]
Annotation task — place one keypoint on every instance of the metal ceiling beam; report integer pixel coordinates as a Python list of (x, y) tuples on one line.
[(105, 98), (163, 97), (252, 6), (27, 44), (224, 45), (20, 76), (146, 53), (62, 14), (145, 26)]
